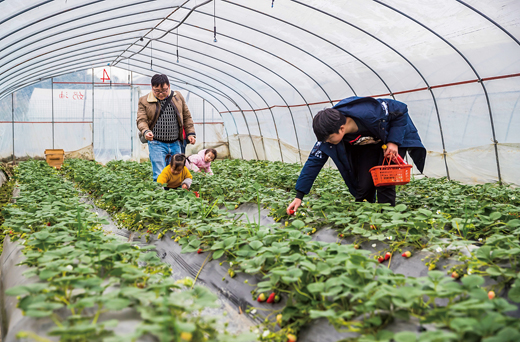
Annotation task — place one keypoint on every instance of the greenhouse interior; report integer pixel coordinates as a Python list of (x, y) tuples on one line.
[(337, 171)]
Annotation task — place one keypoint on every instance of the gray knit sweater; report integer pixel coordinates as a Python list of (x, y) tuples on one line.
[(167, 127)]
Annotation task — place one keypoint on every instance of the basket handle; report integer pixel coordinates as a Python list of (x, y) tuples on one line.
[(396, 158)]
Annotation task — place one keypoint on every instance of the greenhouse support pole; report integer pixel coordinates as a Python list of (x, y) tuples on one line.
[(203, 124), (131, 113), (93, 111), (52, 109), (12, 113)]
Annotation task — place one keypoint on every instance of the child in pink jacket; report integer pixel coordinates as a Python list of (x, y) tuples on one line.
[(202, 161)]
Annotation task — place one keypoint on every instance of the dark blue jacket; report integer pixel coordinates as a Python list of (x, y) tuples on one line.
[(386, 119)]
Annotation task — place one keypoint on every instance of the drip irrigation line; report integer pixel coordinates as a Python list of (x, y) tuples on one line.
[(200, 270)]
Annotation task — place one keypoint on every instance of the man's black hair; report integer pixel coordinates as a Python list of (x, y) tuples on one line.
[(327, 122), (159, 79)]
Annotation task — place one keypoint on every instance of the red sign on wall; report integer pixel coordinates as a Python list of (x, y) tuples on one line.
[(78, 95), (105, 76)]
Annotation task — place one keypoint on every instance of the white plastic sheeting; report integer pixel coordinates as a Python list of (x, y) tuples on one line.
[(73, 110), (266, 67)]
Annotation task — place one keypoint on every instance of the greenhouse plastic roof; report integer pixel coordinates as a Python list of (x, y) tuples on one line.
[(455, 63)]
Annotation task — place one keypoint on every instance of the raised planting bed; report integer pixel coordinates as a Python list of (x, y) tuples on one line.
[(310, 261), (76, 283)]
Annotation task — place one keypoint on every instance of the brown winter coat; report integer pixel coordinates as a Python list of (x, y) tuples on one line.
[(148, 113)]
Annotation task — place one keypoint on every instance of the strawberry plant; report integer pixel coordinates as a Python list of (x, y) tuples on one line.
[(85, 274), (335, 280)]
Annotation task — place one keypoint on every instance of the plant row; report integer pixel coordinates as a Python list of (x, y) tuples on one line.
[(319, 279), (86, 276), (6, 191), (434, 214)]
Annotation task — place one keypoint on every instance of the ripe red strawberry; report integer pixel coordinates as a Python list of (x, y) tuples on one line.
[(48, 224), (388, 255), (407, 254), (491, 294), (200, 251), (380, 259), (148, 231), (271, 298), (196, 194), (261, 297), (291, 212)]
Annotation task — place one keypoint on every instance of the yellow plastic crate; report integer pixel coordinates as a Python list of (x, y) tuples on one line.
[(54, 157)]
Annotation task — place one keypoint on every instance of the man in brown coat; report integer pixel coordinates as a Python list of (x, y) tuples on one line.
[(161, 117)]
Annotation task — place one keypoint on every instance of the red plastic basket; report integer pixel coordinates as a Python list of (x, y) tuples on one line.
[(385, 175)]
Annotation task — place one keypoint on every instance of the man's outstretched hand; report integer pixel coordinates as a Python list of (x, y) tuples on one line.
[(291, 209)]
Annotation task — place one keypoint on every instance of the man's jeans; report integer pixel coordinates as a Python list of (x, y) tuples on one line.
[(158, 151)]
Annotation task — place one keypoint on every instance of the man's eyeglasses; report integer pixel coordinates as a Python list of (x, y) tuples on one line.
[(158, 91)]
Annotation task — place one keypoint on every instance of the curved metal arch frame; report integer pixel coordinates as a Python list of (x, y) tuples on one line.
[(198, 87), (25, 11), (92, 32), (299, 149), (90, 24), (272, 54), (50, 16), (404, 58), (185, 37), (232, 89), (289, 108), (490, 20), (488, 99), (67, 57), (209, 94), (22, 73), (510, 36), (67, 71), (156, 27), (245, 120), (306, 31), (259, 95), (66, 53), (47, 75), (276, 38), (104, 37), (275, 73), (227, 133), (25, 75), (495, 142)]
